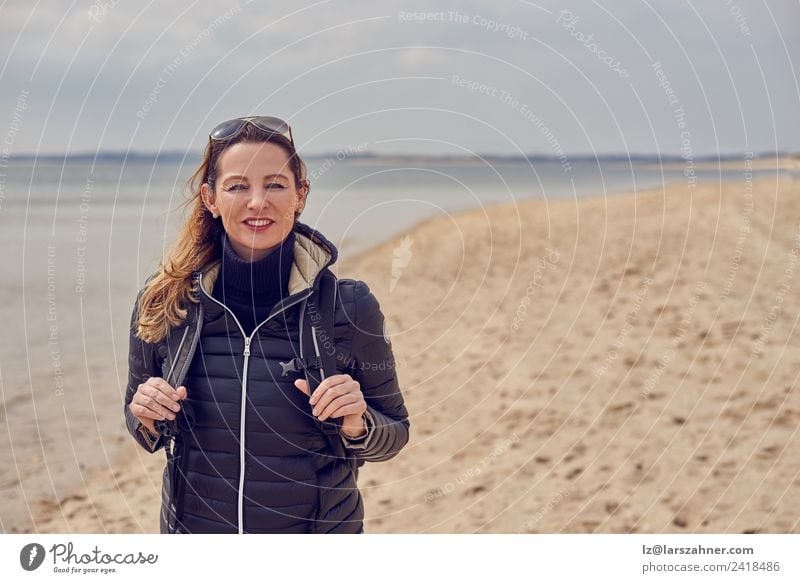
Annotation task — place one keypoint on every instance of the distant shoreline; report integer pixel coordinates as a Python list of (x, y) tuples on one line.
[(660, 160), (757, 163)]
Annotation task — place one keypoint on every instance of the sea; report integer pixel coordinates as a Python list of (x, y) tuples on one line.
[(132, 204)]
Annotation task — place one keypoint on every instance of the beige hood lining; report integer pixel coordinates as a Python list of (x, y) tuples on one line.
[(309, 260)]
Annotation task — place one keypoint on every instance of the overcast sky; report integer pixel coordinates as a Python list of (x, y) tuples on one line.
[(500, 77)]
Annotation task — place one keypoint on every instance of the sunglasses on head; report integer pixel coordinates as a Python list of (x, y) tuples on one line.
[(229, 129)]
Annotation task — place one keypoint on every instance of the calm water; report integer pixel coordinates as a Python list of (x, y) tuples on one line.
[(355, 202)]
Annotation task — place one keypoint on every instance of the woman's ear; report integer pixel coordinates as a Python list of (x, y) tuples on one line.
[(305, 186), (207, 196)]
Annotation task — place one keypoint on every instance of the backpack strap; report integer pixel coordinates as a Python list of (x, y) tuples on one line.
[(317, 351)]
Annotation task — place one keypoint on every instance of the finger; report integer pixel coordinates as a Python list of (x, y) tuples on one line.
[(327, 383), (161, 398), (334, 407), (352, 409), (141, 412), (302, 385), (150, 403), (345, 410), (150, 408), (332, 393), (163, 386), (182, 393)]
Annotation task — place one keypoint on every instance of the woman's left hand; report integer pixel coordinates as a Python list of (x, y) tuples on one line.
[(338, 396)]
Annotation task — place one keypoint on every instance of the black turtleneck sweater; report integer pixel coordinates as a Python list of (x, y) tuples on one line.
[(251, 290)]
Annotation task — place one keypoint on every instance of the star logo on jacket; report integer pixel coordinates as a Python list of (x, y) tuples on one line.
[(290, 366)]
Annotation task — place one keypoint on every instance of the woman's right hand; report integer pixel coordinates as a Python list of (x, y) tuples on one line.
[(156, 400)]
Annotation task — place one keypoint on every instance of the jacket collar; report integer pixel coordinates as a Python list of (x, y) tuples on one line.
[(313, 252)]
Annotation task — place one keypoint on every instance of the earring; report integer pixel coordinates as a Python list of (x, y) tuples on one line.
[(215, 214)]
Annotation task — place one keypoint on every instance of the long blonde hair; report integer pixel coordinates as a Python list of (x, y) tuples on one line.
[(164, 301)]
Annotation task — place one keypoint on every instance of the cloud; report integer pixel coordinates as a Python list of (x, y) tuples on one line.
[(328, 60)]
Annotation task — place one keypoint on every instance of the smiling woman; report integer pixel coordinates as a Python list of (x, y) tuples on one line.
[(252, 230), (220, 358)]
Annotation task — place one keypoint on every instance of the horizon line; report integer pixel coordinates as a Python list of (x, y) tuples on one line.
[(344, 154)]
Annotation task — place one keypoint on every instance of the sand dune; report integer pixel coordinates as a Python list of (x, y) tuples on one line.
[(625, 363)]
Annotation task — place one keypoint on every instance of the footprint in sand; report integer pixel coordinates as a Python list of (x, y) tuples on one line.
[(680, 521), (788, 418), (769, 452), (644, 474), (574, 473), (620, 408)]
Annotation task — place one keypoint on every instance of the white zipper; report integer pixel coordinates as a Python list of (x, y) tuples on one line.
[(247, 340), (242, 416)]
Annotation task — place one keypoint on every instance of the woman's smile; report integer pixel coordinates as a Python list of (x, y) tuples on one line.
[(258, 225)]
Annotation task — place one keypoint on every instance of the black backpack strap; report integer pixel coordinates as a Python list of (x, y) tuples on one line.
[(318, 351), (171, 430)]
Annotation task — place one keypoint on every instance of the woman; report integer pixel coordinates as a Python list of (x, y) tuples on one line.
[(214, 374)]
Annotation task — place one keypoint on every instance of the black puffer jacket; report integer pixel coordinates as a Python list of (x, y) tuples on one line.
[(254, 459)]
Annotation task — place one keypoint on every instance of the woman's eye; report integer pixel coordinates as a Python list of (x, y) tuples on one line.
[(273, 186)]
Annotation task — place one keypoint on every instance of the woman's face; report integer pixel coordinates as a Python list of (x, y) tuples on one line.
[(254, 184)]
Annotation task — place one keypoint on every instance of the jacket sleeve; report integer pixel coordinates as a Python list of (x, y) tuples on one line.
[(361, 441), (375, 370), (142, 364)]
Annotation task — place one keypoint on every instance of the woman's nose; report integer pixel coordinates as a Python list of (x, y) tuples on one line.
[(258, 199)]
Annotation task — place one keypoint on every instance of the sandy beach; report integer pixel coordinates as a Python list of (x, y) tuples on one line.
[(626, 363)]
